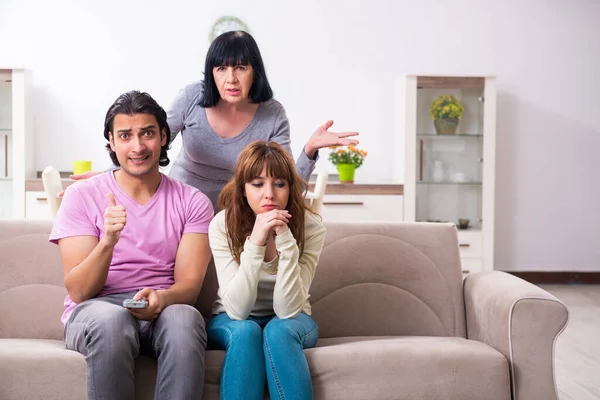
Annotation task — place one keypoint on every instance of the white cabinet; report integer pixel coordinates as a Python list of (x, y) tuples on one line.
[(449, 163), (6, 191), (362, 207), (5, 126), (36, 206), (5, 198), (16, 136), (470, 245), (471, 265), (5, 153)]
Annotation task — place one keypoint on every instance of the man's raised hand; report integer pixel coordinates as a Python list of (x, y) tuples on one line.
[(115, 218)]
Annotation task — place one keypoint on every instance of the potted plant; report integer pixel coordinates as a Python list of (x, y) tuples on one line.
[(446, 112), (346, 160)]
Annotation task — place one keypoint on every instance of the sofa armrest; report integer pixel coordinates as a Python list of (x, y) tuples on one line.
[(521, 321)]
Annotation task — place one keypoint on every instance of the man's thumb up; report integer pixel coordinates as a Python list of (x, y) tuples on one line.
[(111, 200)]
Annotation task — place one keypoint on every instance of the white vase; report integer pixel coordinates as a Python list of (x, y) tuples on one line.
[(437, 171)]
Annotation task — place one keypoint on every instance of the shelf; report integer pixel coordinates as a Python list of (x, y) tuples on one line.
[(468, 183), (474, 230), (470, 230), (5, 130), (450, 82), (460, 135)]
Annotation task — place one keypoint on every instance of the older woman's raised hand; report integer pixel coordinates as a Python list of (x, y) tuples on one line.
[(324, 138)]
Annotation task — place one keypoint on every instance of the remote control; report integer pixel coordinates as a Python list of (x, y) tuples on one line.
[(130, 303)]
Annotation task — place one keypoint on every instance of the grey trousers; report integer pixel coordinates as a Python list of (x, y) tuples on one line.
[(110, 338)]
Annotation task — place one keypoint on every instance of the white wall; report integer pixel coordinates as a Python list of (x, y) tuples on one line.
[(338, 59)]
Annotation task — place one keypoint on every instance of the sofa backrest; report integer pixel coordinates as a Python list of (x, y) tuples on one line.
[(32, 290), (372, 280), (380, 279)]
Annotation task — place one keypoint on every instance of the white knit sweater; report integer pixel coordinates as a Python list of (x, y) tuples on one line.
[(259, 288)]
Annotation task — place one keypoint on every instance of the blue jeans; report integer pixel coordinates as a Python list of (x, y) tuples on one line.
[(110, 338), (264, 345)]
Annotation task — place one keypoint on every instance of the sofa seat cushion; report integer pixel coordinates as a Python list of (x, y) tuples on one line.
[(40, 368), (342, 368), (413, 368), (30, 367), (145, 375)]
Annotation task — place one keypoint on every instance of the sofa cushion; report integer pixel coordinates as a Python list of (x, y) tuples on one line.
[(413, 368), (385, 279), (145, 375), (426, 368), (32, 290), (32, 312), (38, 368), (342, 368)]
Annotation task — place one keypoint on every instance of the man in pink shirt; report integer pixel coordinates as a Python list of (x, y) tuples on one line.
[(134, 233)]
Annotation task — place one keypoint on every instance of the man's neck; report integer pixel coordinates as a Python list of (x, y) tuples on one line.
[(139, 188)]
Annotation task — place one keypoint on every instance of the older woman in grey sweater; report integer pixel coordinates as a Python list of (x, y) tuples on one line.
[(231, 108)]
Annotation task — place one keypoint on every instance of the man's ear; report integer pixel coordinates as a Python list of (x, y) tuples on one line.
[(163, 137), (111, 141)]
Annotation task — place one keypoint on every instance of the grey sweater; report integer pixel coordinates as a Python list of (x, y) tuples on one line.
[(206, 161)]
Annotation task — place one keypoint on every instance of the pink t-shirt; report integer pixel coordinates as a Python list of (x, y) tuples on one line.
[(145, 253)]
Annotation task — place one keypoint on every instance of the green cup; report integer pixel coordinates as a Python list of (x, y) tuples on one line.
[(81, 166)]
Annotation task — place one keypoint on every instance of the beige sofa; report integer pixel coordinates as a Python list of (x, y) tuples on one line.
[(396, 322)]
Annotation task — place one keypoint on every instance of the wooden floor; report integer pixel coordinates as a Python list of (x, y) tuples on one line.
[(577, 357)]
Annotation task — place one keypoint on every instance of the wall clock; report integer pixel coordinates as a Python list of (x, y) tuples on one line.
[(226, 24)]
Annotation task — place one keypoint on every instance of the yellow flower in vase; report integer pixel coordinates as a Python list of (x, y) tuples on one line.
[(446, 112)]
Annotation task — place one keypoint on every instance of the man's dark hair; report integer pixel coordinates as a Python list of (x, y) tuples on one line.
[(231, 49), (136, 102)]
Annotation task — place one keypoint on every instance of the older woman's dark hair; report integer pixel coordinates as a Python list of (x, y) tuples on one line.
[(136, 102), (231, 49)]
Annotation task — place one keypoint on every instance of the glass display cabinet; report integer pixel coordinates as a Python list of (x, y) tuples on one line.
[(449, 129), (16, 140)]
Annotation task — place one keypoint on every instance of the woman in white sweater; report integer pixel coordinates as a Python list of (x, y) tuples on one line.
[(266, 244)]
